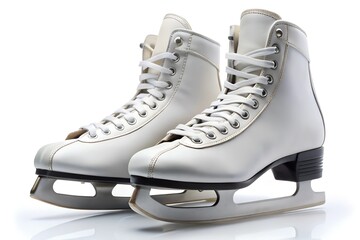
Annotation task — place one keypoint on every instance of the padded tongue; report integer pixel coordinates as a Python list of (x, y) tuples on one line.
[(254, 29), (169, 24)]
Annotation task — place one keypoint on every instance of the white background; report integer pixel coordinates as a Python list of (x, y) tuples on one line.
[(64, 64)]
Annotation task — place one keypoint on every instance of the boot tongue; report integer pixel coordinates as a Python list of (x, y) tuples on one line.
[(169, 24), (254, 30)]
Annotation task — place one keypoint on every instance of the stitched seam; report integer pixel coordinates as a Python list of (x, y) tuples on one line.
[(192, 33), (286, 24), (51, 156), (186, 58), (263, 12), (297, 49), (203, 58), (183, 22), (153, 161)]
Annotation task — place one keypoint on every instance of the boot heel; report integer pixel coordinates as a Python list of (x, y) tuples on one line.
[(307, 166)]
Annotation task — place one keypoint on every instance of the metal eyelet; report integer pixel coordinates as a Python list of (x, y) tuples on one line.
[(107, 132), (141, 45), (278, 32), (231, 38), (173, 71), (170, 85), (264, 93), (236, 124), (255, 104), (196, 140), (211, 135), (224, 131), (153, 107), (275, 65), (92, 136), (178, 41), (245, 114), (177, 57), (162, 98), (270, 79), (143, 114), (277, 48), (120, 128), (132, 122)]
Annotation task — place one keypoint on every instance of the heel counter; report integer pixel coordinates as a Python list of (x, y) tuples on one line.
[(297, 40), (318, 105)]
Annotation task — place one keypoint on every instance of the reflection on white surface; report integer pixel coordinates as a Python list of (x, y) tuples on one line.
[(128, 225)]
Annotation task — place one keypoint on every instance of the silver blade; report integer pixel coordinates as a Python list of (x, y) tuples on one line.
[(103, 199), (225, 208)]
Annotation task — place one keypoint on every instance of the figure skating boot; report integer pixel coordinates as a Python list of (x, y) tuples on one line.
[(179, 79), (266, 118)]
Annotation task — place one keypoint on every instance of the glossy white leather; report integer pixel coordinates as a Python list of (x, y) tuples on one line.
[(286, 122), (195, 85)]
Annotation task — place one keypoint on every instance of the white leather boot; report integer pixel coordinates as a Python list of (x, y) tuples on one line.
[(267, 117), (179, 78)]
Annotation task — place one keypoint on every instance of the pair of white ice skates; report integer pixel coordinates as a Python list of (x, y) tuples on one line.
[(266, 117)]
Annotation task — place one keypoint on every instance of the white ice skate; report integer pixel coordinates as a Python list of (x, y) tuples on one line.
[(267, 117), (179, 78)]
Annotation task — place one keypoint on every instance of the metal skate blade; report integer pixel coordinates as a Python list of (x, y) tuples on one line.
[(187, 198), (224, 208), (103, 199)]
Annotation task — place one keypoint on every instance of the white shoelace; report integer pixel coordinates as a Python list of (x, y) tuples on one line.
[(226, 107), (149, 92)]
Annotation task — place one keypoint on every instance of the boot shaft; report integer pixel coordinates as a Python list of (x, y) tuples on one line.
[(186, 90), (288, 111)]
